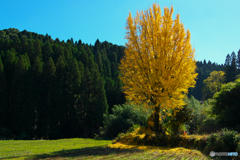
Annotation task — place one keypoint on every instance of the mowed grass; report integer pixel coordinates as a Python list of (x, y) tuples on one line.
[(35, 149), (82, 148)]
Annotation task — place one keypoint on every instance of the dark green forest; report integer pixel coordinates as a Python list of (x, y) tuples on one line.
[(53, 89)]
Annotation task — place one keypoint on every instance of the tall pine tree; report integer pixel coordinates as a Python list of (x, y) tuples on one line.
[(38, 49), (47, 113), (3, 97), (233, 68), (227, 68), (47, 51), (20, 109), (238, 61), (61, 96), (73, 84), (38, 92)]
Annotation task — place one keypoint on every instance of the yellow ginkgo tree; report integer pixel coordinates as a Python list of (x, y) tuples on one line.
[(159, 65)]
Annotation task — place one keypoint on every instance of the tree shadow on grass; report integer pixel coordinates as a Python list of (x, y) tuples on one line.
[(91, 152), (84, 152)]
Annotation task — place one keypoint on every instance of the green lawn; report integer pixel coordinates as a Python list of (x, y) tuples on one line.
[(35, 149), (82, 148)]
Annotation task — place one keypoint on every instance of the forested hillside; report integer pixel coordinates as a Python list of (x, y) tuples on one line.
[(55, 89), (203, 69), (231, 69)]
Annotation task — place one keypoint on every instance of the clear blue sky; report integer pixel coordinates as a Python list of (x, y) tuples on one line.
[(214, 24)]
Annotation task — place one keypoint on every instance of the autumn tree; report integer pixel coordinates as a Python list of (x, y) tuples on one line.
[(213, 83), (158, 66)]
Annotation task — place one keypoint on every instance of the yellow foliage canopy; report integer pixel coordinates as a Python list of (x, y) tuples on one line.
[(213, 83), (159, 65)]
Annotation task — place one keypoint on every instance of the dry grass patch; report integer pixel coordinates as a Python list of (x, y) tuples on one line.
[(159, 149)]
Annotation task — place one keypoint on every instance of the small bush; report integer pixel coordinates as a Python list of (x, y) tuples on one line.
[(123, 118), (224, 141), (191, 141), (210, 125), (228, 140), (213, 138), (202, 143), (212, 143), (238, 147), (200, 112)]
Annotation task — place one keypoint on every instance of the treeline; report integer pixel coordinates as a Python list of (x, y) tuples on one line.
[(54, 89), (51, 89), (231, 69), (203, 69)]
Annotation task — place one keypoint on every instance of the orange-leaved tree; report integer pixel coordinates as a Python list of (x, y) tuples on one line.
[(159, 65)]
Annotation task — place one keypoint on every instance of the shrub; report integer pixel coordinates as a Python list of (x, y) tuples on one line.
[(191, 141), (123, 118), (199, 112), (224, 141), (178, 122), (228, 140), (202, 144), (212, 143), (238, 145), (226, 103), (210, 125)]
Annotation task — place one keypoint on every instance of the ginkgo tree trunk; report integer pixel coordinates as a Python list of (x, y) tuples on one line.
[(159, 65)]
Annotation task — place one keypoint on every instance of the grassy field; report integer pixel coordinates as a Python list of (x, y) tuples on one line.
[(82, 148)]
